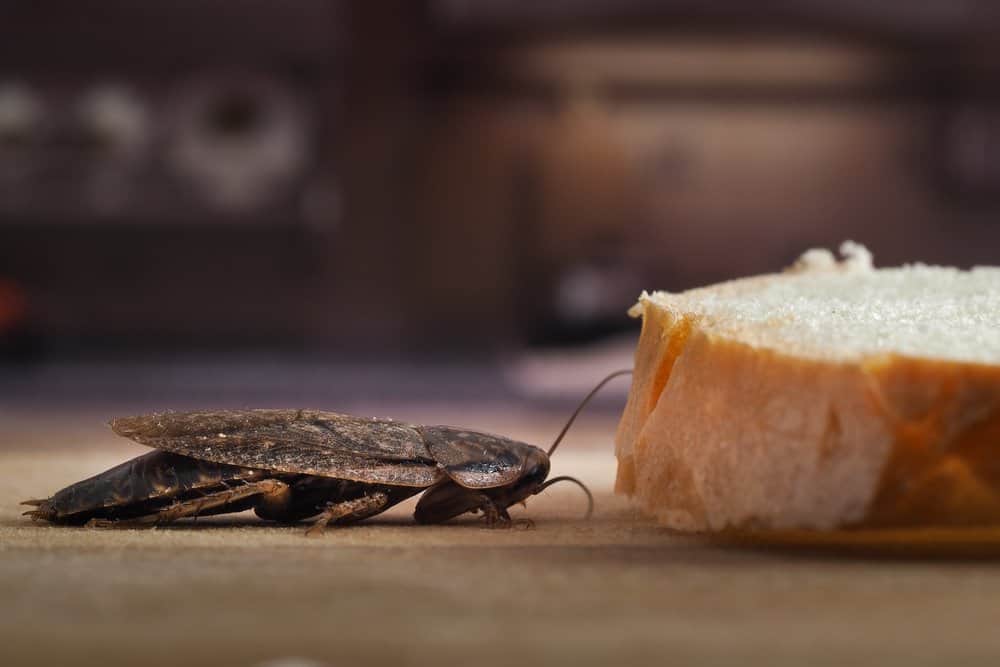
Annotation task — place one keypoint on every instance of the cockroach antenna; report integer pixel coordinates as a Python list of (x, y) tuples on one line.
[(562, 434), (567, 478), (583, 404)]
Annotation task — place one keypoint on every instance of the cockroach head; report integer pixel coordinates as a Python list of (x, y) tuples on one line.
[(532, 478), (533, 481), (460, 452)]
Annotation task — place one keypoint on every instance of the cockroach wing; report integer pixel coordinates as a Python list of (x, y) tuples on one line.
[(376, 451), (476, 460)]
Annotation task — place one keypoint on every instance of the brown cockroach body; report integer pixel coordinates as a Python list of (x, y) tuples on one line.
[(290, 465)]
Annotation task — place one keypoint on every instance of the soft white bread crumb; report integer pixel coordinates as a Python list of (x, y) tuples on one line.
[(832, 394), (846, 310)]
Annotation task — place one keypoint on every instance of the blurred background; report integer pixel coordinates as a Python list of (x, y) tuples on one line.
[(240, 200), (440, 211)]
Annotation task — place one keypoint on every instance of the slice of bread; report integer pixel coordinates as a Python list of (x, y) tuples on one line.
[(830, 395)]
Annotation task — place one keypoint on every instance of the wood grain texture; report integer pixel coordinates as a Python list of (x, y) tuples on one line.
[(616, 590)]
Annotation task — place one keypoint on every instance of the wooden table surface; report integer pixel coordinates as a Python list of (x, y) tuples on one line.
[(614, 590)]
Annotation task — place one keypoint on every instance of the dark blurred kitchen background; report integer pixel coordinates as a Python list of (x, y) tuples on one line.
[(462, 180)]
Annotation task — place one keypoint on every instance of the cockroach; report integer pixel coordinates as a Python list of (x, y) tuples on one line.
[(293, 465)]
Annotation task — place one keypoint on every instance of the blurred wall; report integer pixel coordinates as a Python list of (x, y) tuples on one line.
[(677, 155), (433, 177)]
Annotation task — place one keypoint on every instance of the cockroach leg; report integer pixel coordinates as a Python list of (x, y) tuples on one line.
[(42, 513), (370, 504), (193, 507), (494, 516)]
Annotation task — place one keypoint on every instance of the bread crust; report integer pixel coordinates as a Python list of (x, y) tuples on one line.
[(721, 434)]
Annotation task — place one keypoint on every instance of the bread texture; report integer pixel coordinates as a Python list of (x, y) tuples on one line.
[(831, 395)]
